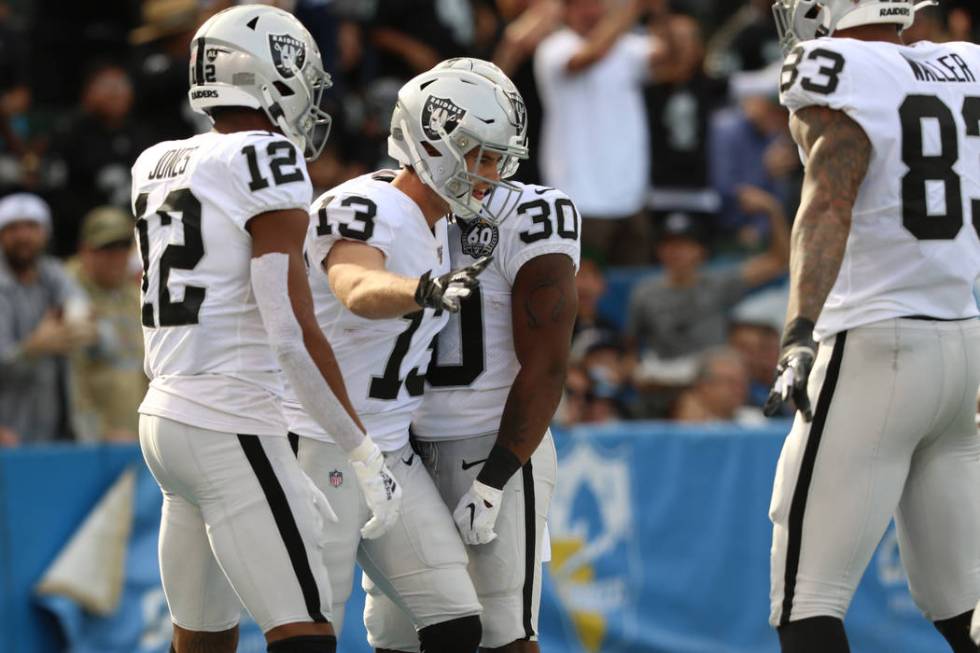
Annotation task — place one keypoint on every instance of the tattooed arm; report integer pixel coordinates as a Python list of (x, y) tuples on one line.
[(543, 307), (838, 154)]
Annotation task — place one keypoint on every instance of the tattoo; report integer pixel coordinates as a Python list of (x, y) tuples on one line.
[(839, 153), (545, 302)]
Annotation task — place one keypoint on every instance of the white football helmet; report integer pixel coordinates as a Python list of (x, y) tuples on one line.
[(440, 116), (261, 57), (802, 20), (493, 72)]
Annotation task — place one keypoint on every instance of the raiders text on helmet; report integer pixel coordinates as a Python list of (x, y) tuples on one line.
[(261, 57), (802, 20)]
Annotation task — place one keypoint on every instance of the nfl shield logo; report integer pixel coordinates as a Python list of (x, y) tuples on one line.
[(287, 53), (336, 478), (440, 112)]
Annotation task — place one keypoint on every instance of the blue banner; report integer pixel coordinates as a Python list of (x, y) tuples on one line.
[(660, 543)]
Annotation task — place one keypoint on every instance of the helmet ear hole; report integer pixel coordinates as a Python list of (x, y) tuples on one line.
[(430, 149), (283, 89)]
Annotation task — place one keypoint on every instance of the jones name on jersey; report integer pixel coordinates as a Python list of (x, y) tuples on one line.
[(474, 363), (383, 361), (207, 354), (921, 255)]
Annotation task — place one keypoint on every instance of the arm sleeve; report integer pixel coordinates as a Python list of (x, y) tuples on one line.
[(547, 224), (349, 217), (267, 173), (270, 286)]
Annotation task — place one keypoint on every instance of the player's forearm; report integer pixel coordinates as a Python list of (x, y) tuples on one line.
[(779, 244), (818, 242), (531, 404), (601, 39), (373, 294)]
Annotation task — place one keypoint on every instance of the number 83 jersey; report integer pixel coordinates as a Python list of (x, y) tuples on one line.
[(474, 363), (914, 243), (383, 361), (207, 352)]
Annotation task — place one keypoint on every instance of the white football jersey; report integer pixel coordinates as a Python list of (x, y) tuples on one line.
[(914, 245), (383, 361), (207, 352), (474, 364)]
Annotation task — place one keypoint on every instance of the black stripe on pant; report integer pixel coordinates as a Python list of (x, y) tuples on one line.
[(285, 523), (798, 506), (530, 534)]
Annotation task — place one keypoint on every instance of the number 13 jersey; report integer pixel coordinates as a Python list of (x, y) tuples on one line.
[(475, 363), (914, 243), (383, 361), (207, 353)]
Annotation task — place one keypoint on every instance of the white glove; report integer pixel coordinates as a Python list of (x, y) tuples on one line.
[(476, 513), (382, 492)]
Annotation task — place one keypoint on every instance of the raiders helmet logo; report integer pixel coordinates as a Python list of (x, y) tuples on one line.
[(520, 111), (440, 112), (287, 52), (478, 237)]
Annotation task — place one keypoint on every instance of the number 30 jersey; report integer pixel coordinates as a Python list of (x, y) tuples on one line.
[(383, 361), (207, 353), (914, 244), (474, 364)]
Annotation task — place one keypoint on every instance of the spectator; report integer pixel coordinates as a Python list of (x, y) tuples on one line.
[(750, 146), (573, 408), (108, 381), (758, 343), (530, 22), (590, 284), (594, 142), (412, 36), (684, 311), (720, 391), (161, 61), (681, 104), (96, 149), (747, 41), (40, 323)]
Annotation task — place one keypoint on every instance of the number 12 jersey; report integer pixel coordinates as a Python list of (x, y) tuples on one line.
[(914, 243), (207, 353)]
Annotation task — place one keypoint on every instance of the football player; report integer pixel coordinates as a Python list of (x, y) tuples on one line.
[(494, 384), (382, 241), (221, 220), (885, 249)]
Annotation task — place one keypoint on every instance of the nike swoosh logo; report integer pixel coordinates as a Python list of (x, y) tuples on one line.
[(409, 461), (472, 508), (542, 191), (467, 465)]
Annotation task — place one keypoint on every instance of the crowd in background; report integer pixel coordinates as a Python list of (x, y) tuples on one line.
[(660, 118)]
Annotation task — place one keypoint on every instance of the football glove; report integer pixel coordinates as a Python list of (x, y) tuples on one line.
[(476, 513), (382, 492), (445, 291), (795, 362)]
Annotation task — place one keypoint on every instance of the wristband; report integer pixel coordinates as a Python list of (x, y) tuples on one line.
[(501, 464), (799, 331)]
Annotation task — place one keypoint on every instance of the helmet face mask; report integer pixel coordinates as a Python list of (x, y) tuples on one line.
[(260, 57), (803, 20), (445, 117)]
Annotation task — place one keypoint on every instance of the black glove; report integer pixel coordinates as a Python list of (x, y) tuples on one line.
[(795, 362), (446, 291)]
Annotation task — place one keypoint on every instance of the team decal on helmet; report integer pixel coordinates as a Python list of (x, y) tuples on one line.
[(439, 113), (287, 52), (478, 237)]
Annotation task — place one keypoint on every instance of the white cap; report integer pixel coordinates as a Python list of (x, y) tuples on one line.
[(24, 206)]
